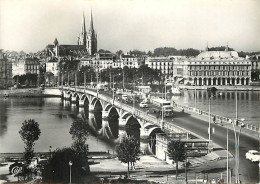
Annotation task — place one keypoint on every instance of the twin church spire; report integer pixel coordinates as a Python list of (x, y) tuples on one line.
[(88, 39)]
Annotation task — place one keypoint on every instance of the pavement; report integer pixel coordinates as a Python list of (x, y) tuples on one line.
[(152, 169)]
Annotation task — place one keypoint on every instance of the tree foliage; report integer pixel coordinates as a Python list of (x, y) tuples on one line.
[(170, 51), (79, 131), (128, 151), (26, 79), (30, 132), (176, 152), (57, 167)]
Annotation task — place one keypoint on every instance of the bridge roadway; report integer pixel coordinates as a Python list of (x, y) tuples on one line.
[(249, 172)]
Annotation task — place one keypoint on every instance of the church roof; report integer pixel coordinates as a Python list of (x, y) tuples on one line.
[(73, 47)]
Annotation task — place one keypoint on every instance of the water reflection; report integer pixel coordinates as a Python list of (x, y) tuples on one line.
[(3, 117)]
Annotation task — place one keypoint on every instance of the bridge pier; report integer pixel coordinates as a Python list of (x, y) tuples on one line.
[(81, 103), (122, 122), (104, 114), (73, 99), (66, 96), (91, 108), (144, 133), (81, 109)]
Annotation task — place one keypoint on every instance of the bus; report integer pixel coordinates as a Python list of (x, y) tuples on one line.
[(164, 105)]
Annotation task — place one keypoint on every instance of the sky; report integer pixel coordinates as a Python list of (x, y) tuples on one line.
[(30, 25)]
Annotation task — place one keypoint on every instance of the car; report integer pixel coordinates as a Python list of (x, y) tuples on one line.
[(143, 105), (253, 155), (119, 92)]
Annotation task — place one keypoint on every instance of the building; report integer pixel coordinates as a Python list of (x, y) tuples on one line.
[(164, 64), (255, 62), (18, 66), (213, 68), (52, 66), (88, 39), (101, 61), (5, 71), (32, 65), (194, 146), (131, 61)]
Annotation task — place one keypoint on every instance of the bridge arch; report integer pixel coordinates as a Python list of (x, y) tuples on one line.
[(96, 104), (152, 138), (132, 127)]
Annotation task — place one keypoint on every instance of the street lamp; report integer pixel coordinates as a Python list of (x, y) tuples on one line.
[(186, 175), (237, 138), (50, 151), (209, 130), (70, 164)]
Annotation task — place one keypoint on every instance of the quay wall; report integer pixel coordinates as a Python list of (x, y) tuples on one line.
[(31, 92)]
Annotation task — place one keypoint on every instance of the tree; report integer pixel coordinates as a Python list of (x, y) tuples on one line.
[(30, 132), (176, 152), (128, 151), (79, 131), (57, 167)]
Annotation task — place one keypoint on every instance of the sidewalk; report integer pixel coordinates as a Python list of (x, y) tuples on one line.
[(152, 169)]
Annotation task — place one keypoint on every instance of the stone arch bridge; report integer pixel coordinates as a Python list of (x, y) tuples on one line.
[(148, 124)]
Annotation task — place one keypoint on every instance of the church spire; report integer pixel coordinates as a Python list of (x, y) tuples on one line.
[(83, 28), (91, 23)]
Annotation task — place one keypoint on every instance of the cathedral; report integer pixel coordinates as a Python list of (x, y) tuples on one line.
[(88, 39), (86, 43)]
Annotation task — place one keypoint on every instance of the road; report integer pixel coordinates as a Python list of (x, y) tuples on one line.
[(249, 171)]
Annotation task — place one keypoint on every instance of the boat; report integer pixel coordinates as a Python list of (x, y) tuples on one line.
[(176, 91)]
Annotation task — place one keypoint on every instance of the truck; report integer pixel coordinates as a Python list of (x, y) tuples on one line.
[(164, 106)]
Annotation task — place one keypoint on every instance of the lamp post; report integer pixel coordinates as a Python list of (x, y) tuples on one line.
[(237, 138), (186, 175), (195, 98), (209, 130), (113, 89), (70, 164), (50, 151)]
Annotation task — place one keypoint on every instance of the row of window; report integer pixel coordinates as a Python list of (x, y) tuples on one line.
[(221, 73), (162, 67), (219, 67), (29, 67), (161, 63)]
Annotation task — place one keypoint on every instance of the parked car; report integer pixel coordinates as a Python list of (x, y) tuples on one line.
[(143, 105), (253, 156)]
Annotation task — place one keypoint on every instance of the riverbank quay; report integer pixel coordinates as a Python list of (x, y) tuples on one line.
[(30, 92), (222, 88)]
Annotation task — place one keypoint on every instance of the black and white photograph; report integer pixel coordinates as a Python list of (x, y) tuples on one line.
[(129, 91)]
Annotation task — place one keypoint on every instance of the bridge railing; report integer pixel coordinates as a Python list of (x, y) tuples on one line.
[(218, 119)]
